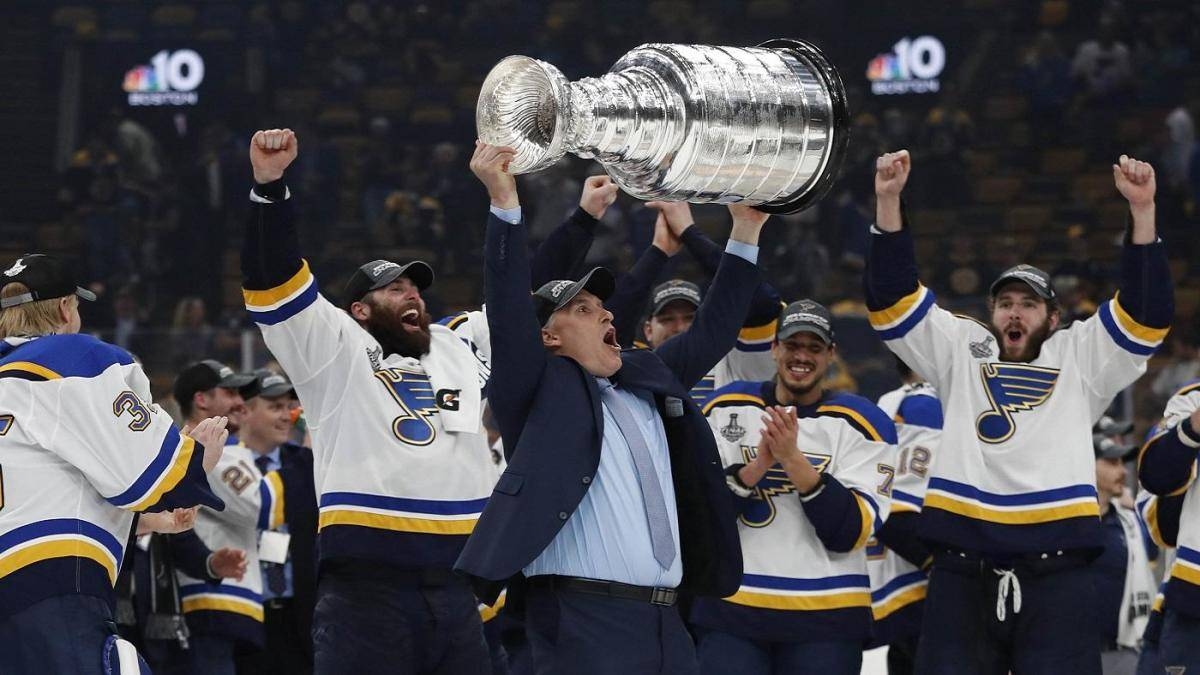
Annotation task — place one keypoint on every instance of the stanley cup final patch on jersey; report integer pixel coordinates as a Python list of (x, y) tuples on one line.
[(1011, 388), (984, 349), (733, 432)]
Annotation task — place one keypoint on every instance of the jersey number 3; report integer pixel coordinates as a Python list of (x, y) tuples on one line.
[(128, 402)]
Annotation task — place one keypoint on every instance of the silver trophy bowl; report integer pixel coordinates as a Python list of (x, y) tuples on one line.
[(764, 125)]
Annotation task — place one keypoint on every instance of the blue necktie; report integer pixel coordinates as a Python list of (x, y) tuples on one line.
[(661, 541), (276, 581)]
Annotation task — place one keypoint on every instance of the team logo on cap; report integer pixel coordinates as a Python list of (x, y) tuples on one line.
[(733, 431), (225, 372), (558, 287), (382, 267), (16, 269), (1011, 388), (806, 317), (681, 290)]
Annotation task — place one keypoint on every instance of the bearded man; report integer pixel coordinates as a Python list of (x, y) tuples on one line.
[(402, 464), (1011, 511)]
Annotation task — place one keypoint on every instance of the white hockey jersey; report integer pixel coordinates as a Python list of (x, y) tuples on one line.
[(253, 503), (807, 559), (1170, 442), (749, 361), (898, 587), (1016, 474), (82, 448), (401, 462)]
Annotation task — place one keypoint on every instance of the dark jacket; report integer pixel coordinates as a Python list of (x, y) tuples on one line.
[(300, 514), (549, 414)]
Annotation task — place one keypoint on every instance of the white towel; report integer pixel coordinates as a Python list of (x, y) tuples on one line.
[(452, 366)]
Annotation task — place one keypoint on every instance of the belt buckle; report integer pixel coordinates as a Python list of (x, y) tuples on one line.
[(663, 596)]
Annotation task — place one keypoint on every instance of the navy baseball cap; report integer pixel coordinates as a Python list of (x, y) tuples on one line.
[(210, 374), (379, 273), (46, 276), (1031, 276), (272, 384), (805, 316), (670, 291), (554, 295), (1105, 443)]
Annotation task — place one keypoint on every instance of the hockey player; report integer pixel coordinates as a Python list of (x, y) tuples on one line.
[(1011, 510), (223, 615), (82, 449), (812, 470), (1167, 468), (897, 560), (402, 464)]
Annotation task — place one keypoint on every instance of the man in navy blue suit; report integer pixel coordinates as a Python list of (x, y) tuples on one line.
[(614, 500)]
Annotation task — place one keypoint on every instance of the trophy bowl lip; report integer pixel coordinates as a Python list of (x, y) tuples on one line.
[(839, 127), (540, 158)]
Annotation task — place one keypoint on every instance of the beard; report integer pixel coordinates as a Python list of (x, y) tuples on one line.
[(1033, 344), (387, 329)]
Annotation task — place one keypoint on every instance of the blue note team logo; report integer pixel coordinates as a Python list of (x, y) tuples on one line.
[(761, 509), (912, 67), (418, 404), (1011, 388), (171, 78)]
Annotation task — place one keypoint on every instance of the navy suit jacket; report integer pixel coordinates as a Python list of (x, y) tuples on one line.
[(548, 410), (300, 514)]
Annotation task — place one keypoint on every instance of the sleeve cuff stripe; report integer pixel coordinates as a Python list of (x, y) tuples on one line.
[(178, 468), (274, 298), (890, 317), (758, 333), (293, 307), (1124, 340), (1137, 331), (909, 321)]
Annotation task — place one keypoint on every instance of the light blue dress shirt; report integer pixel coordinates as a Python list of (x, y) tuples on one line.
[(608, 537)]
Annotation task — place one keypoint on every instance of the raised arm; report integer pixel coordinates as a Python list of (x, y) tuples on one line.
[(632, 293), (300, 327), (563, 253), (692, 354), (518, 357), (766, 301)]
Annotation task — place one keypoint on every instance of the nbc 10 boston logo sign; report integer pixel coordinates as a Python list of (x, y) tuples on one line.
[(912, 67), (171, 78)]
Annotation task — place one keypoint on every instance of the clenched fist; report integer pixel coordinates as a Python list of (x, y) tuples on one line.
[(599, 193), (1135, 181), (271, 151), (891, 173)]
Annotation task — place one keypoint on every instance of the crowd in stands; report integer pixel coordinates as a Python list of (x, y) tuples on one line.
[(1015, 150)]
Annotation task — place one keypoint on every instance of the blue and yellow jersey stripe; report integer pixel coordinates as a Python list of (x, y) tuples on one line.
[(1124, 330), (733, 398), (162, 475), (805, 595), (868, 511), (271, 504), (757, 338), (59, 538), (1030, 508), (278, 304), (898, 593), (399, 514), (221, 598), (903, 502), (902, 316), (1187, 565), (28, 370)]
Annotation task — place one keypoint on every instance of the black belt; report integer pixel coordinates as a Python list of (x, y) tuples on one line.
[(1036, 564), (665, 597)]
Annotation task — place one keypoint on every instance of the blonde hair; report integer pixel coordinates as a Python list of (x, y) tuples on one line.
[(40, 317)]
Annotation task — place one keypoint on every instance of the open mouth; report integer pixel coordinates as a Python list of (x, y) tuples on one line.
[(1014, 335), (800, 370), (411, 320), (610, 338)]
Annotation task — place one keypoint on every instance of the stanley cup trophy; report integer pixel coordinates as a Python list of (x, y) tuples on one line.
[(763, 125)]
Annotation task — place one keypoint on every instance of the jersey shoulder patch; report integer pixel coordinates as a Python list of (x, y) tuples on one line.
[(57, 356)]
